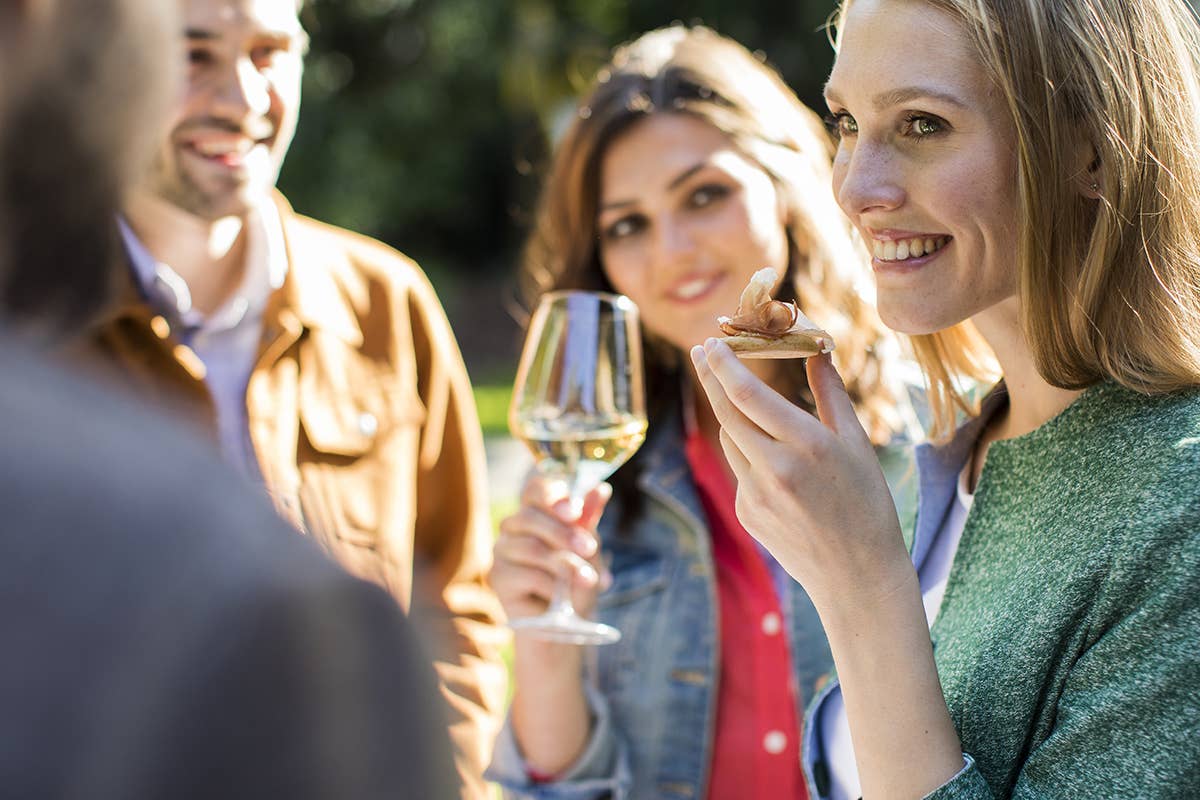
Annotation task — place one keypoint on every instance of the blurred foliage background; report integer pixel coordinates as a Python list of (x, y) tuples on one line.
[(426, 124)]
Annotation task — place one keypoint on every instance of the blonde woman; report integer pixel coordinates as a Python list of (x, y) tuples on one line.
[(1029, 189), (689, 166)]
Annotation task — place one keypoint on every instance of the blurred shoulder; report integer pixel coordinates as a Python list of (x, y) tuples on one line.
[(98, 478), (351, 257)]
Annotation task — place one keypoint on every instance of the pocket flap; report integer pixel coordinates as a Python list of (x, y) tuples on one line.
[(347, 401), (636, 573)]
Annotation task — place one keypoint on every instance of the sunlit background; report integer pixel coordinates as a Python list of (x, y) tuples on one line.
[(427, 122)]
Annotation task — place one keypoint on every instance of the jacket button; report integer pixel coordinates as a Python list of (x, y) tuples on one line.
[(775, 742), (367, 425), (160, 326)]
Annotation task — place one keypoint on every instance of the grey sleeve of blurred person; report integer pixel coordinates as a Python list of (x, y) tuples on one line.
[(165, 635), (298, 690), (602, 771)]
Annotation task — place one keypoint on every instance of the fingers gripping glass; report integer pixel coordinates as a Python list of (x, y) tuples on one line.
[(579, 405)]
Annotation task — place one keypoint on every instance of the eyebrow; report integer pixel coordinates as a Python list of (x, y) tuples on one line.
[(675, 182), (905, 94), (202, 35)]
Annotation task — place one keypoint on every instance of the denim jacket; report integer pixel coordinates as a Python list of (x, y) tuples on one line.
[(653, 695)]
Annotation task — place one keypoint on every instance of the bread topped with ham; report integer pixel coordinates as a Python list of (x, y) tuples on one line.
[(766, 328)]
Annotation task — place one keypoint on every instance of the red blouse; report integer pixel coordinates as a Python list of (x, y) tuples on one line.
[(756, 751)]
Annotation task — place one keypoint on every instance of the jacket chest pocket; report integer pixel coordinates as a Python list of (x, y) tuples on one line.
[(360, 430), (634, 604)]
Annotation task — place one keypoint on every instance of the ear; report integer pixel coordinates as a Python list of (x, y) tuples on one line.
[(1089, 170)]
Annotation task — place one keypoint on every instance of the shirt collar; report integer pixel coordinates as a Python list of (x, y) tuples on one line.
[(321, 280), (265, 271)]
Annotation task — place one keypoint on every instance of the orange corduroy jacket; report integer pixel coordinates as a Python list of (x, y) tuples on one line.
[(367, 437)]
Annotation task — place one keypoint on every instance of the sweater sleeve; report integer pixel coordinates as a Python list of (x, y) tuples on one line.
[(1128, 720)]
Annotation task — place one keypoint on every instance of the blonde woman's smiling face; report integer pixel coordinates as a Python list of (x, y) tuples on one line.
[(685, 219), (926, 166)]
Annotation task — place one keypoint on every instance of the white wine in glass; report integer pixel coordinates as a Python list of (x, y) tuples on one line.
[(579, 404)]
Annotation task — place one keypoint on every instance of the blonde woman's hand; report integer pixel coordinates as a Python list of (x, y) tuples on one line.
[(544, 539), (809, 487)]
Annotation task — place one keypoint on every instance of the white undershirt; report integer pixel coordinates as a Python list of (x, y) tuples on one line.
[(835, 728)]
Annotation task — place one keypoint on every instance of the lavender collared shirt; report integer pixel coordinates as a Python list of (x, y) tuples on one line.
[(227, 340)]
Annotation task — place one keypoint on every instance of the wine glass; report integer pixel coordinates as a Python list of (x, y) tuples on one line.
[(579, 404)]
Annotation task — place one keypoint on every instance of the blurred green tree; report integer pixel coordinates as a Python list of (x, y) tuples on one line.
[(426, 122)]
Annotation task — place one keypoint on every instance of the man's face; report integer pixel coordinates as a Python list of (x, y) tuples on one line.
[(235, 119)]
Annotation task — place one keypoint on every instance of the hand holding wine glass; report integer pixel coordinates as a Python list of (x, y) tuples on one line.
[(579, 405)]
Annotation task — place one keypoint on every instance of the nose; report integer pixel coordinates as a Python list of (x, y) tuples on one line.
[(867, 178), (673, 240), (244, 92)]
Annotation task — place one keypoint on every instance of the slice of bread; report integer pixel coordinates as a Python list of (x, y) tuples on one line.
[(793, 344)]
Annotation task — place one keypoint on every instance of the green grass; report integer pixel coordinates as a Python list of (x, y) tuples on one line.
[(491, 399), (492, 402)]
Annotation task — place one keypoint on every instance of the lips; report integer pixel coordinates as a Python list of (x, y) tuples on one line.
[(895, 246), (226, 151), (694, 287), (224, 142)]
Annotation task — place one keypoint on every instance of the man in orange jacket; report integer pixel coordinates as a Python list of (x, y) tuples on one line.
[(319, 361)]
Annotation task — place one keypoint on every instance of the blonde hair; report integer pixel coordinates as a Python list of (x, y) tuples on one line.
[(695, 71), (1109, 287)]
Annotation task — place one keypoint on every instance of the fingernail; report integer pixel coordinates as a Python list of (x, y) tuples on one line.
[(575, 508), (582, 544), (565, 510), (588, 574)]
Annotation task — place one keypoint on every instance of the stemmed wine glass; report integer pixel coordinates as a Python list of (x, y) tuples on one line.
[(579, 404)]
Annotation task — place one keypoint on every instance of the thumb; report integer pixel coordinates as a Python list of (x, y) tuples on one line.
[(833, 403)]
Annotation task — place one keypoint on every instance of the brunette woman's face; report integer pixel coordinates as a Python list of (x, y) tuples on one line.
[(926, 165), (685, 219)]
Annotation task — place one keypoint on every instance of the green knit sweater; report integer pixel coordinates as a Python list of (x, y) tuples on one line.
[(1068, 641)]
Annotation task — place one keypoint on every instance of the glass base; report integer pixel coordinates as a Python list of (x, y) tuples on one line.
[(566, 628)]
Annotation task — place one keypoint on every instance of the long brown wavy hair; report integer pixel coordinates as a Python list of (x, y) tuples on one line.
[(695, 71)]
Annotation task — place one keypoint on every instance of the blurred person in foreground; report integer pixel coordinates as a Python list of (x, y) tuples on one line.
[(320, 361), (1040, 638), (164, 633), (689, 166)]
